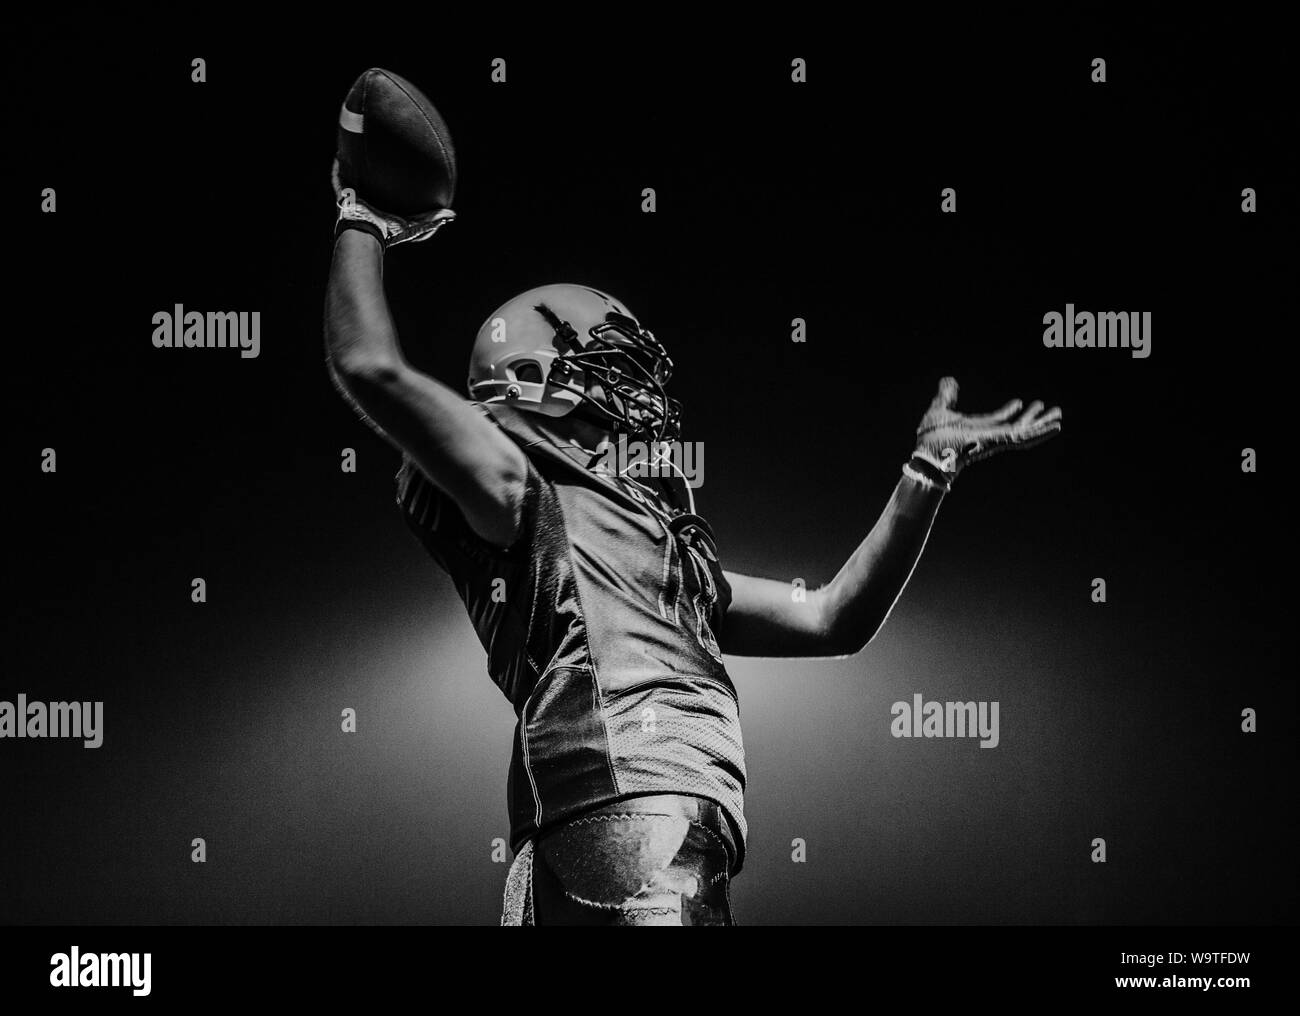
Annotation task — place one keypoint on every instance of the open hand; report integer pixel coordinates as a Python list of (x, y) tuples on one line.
[(953, 440)]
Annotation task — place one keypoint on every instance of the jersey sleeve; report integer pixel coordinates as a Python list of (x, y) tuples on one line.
[(446, 534), (437, 521)]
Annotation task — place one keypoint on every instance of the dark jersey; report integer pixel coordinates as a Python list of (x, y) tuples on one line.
[(599, 628)]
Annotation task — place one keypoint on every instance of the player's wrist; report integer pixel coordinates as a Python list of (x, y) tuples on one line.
[(359, 227), (355, 214), (387, 229), (925, 468)]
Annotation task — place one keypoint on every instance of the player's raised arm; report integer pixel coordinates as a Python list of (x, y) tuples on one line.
[(459, 450), (766, 619)]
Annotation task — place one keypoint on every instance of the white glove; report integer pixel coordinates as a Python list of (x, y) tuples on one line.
[(389, 229), (950, 441)]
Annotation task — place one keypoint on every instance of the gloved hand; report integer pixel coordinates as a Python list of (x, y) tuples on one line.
[(389, 229), (950, 441)]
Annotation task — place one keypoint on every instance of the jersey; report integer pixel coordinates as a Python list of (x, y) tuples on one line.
[(599, 626)]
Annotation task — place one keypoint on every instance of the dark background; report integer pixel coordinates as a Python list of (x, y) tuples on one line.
[(819, 201)]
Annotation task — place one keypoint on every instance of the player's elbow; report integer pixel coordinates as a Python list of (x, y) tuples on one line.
[(841, 646), (846, 633), (368, 373)]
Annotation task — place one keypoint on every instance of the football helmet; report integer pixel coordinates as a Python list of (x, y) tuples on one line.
[(564, 349)]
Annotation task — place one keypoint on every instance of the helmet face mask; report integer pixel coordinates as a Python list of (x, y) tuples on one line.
[(532, 355)]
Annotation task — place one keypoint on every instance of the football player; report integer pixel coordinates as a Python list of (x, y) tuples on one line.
[(598, 594)]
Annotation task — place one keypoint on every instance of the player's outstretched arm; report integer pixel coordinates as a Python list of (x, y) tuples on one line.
[(457, 448), (768, 618)]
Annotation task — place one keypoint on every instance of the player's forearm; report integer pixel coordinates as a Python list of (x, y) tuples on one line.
[(449, 440), (359, 333), (424, 416), (857, 601)]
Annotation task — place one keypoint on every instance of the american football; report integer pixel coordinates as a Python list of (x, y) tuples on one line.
[(394, 149)]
